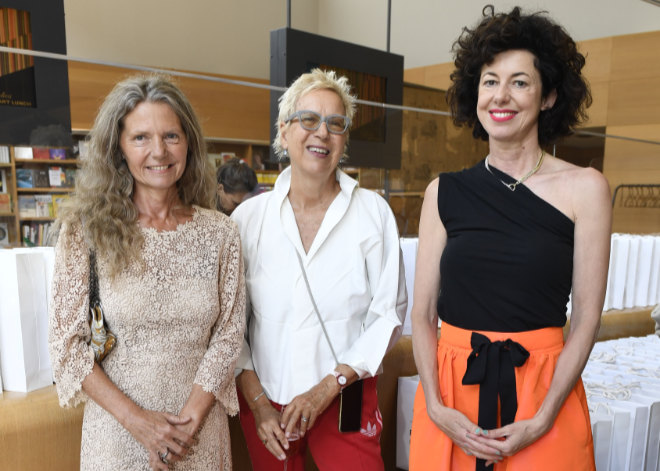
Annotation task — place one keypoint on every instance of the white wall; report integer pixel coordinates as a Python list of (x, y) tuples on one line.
[(219, 36), (232, 36)]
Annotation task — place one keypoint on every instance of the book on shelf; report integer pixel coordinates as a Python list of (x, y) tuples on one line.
[(40, 178), (35, 233), (22, 152), (4, 154), (44, 206), (25, 235), (5, 203), (4, 234), (56, 176), (24, 178), (3, 181), (58, 200), (70, 177), (83, 148), (58, 154), (40, 153), (27, 206)]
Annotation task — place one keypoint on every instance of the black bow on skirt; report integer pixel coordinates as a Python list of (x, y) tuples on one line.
[(492, 366)]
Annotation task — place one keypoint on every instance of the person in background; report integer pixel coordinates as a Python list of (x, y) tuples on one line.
[(236, 181), (347, 240), (501, 246), (170, 279)]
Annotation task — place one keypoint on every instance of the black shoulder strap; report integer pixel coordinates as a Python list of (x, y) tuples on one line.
[(94, 298)]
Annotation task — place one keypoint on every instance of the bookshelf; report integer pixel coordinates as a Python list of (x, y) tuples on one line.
[(254, 153), (8, 214), (36, 180)]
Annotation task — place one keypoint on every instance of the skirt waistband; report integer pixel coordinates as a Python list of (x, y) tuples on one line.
[(539, 339)]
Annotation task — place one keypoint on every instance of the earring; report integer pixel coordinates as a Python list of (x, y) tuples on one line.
[(285, 154)]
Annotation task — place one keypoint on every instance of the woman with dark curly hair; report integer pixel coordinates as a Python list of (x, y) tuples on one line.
[(512, 237)]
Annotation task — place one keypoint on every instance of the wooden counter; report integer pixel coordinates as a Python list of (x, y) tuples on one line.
[(36, 433)]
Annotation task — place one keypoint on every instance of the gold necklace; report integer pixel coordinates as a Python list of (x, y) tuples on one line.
[(512, 186)]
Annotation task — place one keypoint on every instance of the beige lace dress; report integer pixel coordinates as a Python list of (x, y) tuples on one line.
[(179, 321)]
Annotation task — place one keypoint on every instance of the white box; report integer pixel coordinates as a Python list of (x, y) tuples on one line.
[(409, 252), (404, 417), (24, 291), (631, 271)]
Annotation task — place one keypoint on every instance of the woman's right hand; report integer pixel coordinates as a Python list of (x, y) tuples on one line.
[(159, 434), (458, 427), (267, 420)]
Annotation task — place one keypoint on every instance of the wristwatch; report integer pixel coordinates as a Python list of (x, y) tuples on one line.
[(341, 379)]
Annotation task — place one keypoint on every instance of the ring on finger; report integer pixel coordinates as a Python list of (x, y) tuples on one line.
[(265, 440), (163, 457), (304, 419)]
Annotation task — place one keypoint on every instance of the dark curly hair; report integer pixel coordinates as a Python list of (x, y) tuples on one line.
[(556, 58)]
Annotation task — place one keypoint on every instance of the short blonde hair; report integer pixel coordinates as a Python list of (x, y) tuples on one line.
[(317, 79)]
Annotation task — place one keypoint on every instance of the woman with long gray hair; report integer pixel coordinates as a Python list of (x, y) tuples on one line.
[(170, 281)]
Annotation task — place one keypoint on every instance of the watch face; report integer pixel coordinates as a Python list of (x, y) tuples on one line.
[(341, 379)]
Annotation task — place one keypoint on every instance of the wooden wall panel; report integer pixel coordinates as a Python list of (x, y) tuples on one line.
[(629, 162), (435, 76), (634, 101), (634, 112), (598, 53), (636, 220), (600, 92), (635, 158), (634, 97), (636, 56), (225, 111), (431, 144)]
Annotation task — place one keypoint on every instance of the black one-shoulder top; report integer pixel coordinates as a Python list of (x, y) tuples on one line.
[(508, 262)]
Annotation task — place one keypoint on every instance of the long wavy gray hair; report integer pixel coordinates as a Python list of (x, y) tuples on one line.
[(102, 201)]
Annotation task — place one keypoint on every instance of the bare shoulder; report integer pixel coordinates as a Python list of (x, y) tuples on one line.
[(590, 184), (581, 182), (432, 188)]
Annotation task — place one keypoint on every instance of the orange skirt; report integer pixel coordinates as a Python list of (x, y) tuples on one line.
[(568, 444)]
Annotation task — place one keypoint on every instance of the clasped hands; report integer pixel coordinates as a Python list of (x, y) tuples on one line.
[(273, 427), (489, 445), (167, 437)]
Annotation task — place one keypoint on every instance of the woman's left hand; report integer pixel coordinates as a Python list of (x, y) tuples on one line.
[(512, 438), (304, 409)]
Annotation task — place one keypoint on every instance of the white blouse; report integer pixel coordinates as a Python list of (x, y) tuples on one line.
[(355, 270)]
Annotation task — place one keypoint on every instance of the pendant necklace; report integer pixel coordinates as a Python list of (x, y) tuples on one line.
[(513, 186)]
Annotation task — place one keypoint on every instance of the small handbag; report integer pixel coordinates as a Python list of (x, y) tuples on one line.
[(102, 340), (350, 397)]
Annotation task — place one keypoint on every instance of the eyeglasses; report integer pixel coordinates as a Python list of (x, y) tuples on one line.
[(311, 120)]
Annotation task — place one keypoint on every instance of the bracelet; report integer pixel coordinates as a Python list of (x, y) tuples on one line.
[(258, 396)]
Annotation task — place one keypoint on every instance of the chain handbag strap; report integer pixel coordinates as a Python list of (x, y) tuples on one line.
[(316, 309)]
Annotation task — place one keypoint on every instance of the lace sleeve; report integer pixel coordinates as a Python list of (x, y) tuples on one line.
[(68, 328), (216, 371)]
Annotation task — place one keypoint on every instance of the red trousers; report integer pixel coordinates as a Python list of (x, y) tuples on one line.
[(567, 446), (332, 450)]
